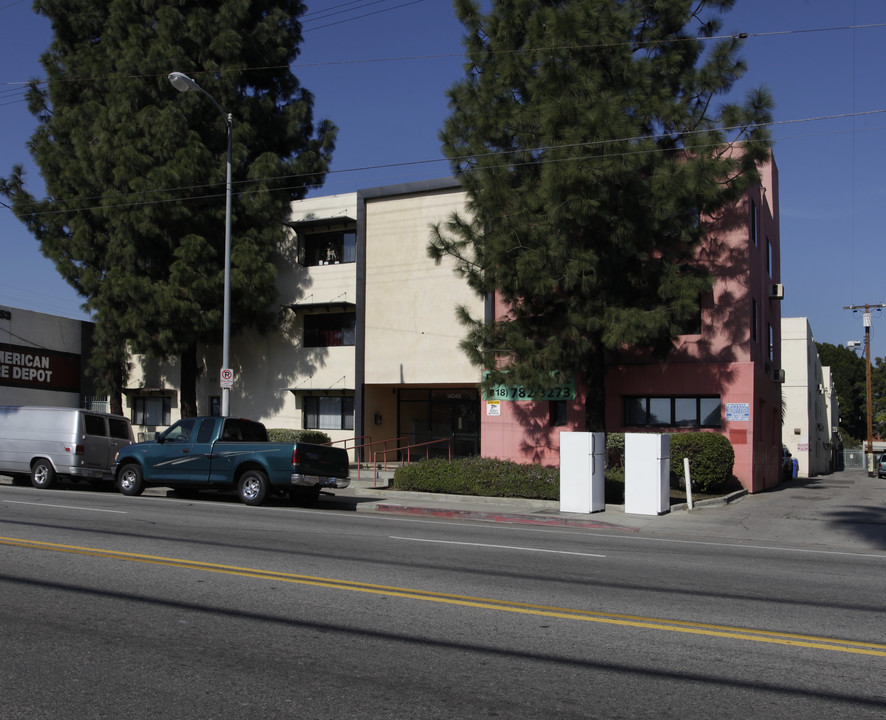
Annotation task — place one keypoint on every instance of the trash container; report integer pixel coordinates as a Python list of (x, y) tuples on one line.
[(796, 468)]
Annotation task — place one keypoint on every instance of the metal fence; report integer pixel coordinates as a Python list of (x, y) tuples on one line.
[(854, 459), (96, 404)]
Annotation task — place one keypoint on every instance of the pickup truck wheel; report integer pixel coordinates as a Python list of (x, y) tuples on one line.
[(130, 480), (42, 474), (253, 487)]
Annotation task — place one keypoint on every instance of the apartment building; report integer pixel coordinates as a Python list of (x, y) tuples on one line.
[(811, 411), (367, 348)]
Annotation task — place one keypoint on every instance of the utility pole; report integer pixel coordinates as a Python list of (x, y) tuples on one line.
[(867, 307)]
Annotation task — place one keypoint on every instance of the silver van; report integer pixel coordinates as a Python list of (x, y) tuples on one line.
[(47, 443)]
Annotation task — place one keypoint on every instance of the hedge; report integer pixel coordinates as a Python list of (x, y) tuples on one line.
[(285, 435), (480, 476), (488, 477), (711, 459)]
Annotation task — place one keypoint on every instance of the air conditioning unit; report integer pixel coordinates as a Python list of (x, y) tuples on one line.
[(776, 291), (778, 376), (821, 389)]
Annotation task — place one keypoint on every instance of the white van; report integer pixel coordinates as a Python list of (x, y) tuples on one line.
[(47, 443)]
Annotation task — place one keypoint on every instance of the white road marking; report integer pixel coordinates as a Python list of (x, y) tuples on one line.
[(496, 547), (64, 507)]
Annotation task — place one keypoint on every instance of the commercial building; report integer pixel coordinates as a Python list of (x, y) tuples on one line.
[(43, 360)]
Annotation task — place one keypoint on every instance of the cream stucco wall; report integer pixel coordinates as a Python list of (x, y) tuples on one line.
[(412, 334), (806, 430)]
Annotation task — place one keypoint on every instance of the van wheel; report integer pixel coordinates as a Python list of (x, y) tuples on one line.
[(130, 481), (42, 474), (253, 487)]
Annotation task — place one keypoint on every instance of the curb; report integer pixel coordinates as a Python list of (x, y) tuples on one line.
[(710, 502), (497, 517)]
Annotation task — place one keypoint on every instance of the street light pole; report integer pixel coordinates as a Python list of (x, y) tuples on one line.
[(867, 307), (183, 83)]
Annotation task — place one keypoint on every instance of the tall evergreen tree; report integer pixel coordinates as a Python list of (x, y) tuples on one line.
[(850, 382), (134, 172), (585, 136)]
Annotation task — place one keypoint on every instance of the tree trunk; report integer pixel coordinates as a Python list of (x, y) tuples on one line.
[(190, 371)]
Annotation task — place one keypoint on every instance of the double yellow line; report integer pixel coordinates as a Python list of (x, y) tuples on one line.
[(635, 621)]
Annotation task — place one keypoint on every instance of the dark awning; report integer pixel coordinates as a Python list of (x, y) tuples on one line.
[(330, 306)]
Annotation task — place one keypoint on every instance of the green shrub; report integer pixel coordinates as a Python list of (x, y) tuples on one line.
[(615, 450), (711, 459), (494, 478), (285, 435), (480, 476)]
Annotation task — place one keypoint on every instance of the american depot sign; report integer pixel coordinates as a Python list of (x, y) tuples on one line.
[(39, 369)]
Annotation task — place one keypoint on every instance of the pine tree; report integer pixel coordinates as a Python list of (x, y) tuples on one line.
[(585, 138), (849, 375), (134, 171)]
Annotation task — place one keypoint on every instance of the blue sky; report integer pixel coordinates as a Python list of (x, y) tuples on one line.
[(379, 70)]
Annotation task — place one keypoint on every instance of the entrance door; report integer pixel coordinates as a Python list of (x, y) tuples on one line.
[(442, 414)]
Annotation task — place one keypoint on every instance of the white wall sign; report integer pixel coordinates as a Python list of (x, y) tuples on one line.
[(738, 412)]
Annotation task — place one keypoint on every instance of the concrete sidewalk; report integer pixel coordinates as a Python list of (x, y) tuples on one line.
[(844, 511)]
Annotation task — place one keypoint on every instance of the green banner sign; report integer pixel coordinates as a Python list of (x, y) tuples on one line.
[(563, 391)]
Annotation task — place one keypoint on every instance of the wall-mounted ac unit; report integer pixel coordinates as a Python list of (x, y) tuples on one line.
[(778, 376), (821, 389), (776, 291)]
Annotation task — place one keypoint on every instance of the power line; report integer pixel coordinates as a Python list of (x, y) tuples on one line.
[(439, 56), (410, 163)]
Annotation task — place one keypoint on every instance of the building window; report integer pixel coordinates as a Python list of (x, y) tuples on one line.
[(769, 257), (557, 413), (686, 412), (151, 411), (754, 321), (753, 222), (771, 343), (330, 329), (328, 248), (329, 413), (214, 406)]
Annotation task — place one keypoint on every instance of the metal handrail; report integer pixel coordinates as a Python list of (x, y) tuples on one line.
[(385, 449), (408, 448)]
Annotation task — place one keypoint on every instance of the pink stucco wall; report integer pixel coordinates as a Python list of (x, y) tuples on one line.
[(733, 358)]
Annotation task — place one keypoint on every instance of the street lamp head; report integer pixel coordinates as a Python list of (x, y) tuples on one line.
[(182, 82)]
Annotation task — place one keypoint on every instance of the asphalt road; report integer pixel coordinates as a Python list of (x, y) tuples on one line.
[(116, 607)]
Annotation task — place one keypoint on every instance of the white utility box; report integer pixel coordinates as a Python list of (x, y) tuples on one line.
[(582, 478), (647, 473)]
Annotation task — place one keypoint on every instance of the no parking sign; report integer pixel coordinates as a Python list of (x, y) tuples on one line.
[(226, 378)]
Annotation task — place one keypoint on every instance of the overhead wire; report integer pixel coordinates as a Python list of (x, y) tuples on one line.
[(362, 4), (248, 190)]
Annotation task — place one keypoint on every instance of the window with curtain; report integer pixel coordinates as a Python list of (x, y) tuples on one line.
[(330, 329), (329, 412), (151, 411)]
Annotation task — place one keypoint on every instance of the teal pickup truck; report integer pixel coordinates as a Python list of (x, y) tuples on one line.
[(230, 454)]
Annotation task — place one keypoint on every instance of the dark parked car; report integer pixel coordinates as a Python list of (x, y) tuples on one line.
[(881, 466)]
